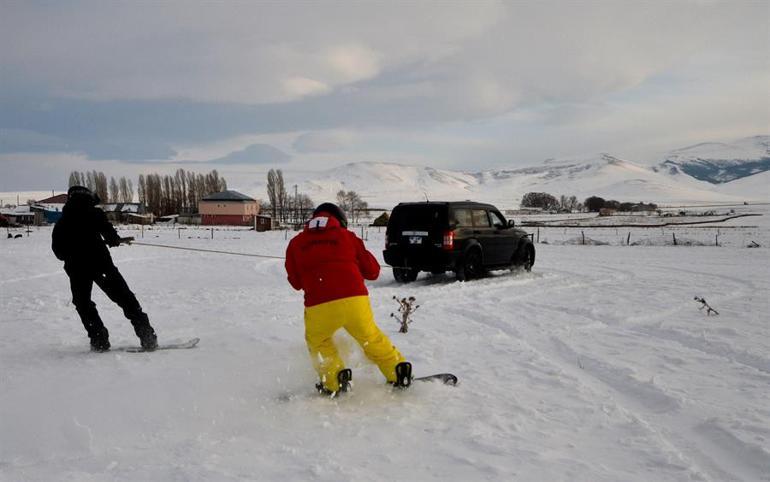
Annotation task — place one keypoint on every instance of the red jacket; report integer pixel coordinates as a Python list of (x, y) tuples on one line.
[(329, 262)]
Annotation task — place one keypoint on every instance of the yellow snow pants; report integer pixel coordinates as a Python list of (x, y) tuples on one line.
[(355, 315)]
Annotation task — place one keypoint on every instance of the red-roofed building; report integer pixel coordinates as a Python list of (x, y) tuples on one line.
[(228, 207)]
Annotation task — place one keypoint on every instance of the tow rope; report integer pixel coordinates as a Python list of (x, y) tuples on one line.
[(206, 250)]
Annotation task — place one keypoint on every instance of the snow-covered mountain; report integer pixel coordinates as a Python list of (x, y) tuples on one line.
[(385, 184), (719, 163)]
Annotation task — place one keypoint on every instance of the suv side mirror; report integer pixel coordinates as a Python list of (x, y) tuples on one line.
[(511, 223)]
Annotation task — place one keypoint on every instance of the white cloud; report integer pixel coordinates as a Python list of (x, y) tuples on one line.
[(302, 86), (353, 62), (506, 81)]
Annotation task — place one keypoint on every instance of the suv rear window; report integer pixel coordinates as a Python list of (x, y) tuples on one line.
[(416, 217)]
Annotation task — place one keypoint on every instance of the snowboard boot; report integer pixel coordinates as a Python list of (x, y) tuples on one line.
[(100, 345), (147, 338), (403, 375), (149, 342), (142, 328), (99, 336), (344, 377)]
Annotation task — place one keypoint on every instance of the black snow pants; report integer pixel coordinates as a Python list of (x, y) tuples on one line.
[(109, 279)]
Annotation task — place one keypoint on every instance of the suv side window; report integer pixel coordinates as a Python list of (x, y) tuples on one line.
[(463, 218), (497, 221), (480, 218)]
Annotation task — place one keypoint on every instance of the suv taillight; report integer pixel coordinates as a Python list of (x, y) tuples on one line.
[(449, 240)]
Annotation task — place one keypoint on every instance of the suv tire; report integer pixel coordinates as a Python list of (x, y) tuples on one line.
[(525, 260), (471, 266), (405, 275)]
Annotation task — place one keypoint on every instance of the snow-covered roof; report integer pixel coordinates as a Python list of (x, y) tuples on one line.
[(17, 211), (122, 207)]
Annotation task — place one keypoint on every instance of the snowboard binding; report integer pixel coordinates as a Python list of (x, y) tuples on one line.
[(403, 375), (344, 378)]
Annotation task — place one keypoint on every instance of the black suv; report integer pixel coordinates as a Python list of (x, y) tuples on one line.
[(465, 237)]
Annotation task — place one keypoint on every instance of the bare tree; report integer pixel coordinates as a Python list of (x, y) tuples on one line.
[(89, 180), (305, 206), (101, 186), (126, 189), (276, 195), (141, 190), (114, 191), (74, 179), (272, 192), (351, 203), (283, 196)]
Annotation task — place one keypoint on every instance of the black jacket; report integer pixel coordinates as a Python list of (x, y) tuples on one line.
[(80, 235)]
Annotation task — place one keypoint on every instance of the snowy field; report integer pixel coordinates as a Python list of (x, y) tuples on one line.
[(596, 366)]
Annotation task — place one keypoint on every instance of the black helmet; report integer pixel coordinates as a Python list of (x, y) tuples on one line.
[(334, 210), (82, 193)]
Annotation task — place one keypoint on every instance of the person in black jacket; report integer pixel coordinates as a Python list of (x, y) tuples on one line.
[(79, 239)]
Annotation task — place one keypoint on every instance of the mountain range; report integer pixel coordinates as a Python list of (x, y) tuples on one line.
[(704, 173), (700, 174), (720, 163)]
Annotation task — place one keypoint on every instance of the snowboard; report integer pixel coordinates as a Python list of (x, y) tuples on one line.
[(161, 346), (445, 378)]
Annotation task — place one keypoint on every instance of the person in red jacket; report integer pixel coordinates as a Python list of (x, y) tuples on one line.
[(329, 263)]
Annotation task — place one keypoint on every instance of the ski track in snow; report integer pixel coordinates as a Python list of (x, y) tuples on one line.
[(596, 366)]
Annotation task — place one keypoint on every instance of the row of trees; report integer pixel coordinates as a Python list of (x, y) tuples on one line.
[(547, 202), (117, 191), (161, 195), (352, 204), (595, 204), (296, 208), (178, 193), (284, 207)]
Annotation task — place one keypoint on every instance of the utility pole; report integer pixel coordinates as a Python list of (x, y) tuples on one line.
[(296, 207)]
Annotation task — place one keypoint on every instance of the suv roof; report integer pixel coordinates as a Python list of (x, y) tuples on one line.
[(450, 203)]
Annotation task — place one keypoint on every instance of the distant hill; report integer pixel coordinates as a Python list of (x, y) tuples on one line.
[(719, 163), (385, 184)]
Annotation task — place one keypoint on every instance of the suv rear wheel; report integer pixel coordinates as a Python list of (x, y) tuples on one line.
[(405, 275), (526, 260), (471, 266)]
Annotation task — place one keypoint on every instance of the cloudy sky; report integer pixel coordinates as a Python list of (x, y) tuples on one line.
[(130, 87)]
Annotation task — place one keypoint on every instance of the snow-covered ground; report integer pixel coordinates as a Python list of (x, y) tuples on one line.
[(597, 365)]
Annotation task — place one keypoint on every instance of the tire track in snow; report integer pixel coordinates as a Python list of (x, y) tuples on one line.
[(717, 349), (709, 449), (691, 435), (637, 400), (741, 287)]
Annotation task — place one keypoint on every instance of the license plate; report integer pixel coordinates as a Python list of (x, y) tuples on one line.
[(415, 240)]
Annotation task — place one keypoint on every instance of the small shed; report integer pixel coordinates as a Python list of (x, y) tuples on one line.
[(264, 222), (607, 212)]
